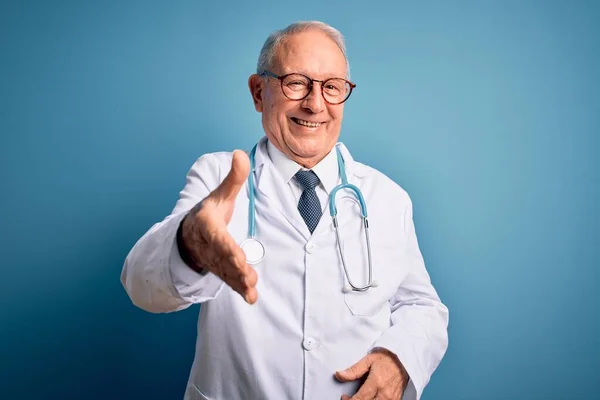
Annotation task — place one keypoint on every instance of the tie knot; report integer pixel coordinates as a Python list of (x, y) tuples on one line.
[(307, 179)]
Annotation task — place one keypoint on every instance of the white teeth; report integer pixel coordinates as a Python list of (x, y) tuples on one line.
[(308, 124)]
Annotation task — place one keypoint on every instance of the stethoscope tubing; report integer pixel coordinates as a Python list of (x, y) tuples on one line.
[(257, 245)]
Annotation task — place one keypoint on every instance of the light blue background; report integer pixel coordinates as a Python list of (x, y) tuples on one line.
[(487, 113)]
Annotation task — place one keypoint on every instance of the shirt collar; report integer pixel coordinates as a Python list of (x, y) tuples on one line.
[(326, 169)]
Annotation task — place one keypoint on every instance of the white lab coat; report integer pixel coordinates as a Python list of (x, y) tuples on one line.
[(303, 327)]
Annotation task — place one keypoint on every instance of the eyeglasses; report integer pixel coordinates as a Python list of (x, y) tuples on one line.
[(297, 87)]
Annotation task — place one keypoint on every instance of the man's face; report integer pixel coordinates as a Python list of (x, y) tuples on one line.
[(315, 55)]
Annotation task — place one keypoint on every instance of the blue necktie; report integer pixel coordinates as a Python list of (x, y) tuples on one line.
[(309, 205)]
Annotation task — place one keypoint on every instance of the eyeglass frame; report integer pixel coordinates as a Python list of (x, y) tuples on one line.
[(310, 87)]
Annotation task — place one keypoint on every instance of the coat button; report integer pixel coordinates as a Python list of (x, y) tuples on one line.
[(310, 343), (310, 247)]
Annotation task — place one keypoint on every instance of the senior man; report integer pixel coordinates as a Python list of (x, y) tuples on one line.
[(315, 309)]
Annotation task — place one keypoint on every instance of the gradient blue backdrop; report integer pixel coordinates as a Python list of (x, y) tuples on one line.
[(487, 113)]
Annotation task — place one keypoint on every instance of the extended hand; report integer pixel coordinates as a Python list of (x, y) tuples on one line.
[(207, 240), (387, 377)]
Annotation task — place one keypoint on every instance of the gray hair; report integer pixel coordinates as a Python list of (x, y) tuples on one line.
[(267, 53)]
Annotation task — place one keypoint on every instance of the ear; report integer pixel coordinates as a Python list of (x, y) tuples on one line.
[(256, 85)]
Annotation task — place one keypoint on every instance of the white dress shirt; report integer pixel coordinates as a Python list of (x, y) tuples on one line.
[(326, 170)]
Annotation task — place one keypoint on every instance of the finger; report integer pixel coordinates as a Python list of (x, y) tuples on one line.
[(367, 391), (235, 179), (251, 296), (236, 279), (249, 293), (240, 275), (251, 278), (355, 371), (237, 273)]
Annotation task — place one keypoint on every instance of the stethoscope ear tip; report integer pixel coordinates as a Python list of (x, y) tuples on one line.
[(347, 289), (374, 284)]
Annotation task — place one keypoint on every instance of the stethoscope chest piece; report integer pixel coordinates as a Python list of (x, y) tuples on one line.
[(254, 250)]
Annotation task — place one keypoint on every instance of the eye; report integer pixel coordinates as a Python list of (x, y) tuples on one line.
[(333, 87), (297, 85)]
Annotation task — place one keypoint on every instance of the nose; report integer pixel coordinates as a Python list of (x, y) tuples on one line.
[(314, 102)]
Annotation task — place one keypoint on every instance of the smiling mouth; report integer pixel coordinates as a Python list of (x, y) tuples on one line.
[(307, 124)]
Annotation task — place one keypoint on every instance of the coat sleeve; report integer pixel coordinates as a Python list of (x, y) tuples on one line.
[(418, 334), (154, 276)]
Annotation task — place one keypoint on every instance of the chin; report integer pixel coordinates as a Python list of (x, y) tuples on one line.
[(307, 147)]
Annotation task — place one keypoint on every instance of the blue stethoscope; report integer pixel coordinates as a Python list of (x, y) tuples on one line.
[(255, 251)]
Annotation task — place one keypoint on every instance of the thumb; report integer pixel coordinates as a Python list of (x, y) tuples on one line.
[(355, 371), (233, 182)]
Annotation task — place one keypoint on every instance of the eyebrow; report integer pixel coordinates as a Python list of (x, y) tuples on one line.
[(325, 76)]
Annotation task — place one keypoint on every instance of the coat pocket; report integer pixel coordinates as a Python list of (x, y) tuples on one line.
[(365, 304), (387, 273)]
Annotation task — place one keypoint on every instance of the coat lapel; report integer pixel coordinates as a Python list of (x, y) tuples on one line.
[(276, 194)]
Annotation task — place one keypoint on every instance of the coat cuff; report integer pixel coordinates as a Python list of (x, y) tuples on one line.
[(186, 283)]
